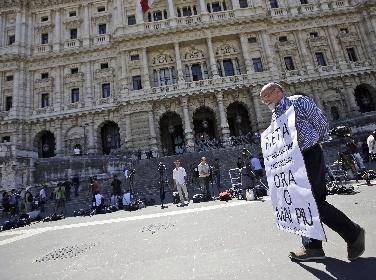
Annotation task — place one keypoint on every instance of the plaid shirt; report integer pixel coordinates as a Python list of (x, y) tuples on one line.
[(311, 124)]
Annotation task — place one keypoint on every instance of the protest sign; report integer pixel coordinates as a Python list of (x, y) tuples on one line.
[(290, 191)]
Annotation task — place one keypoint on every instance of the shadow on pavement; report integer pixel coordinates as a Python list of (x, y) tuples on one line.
[(362, 268)]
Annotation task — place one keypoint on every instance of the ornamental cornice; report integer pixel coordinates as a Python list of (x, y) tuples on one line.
[(45, 27), (348, 37), (101, 17), (13, 3), (317, 41), (288, 45), (72, 23), (104, 74), (74, 78)]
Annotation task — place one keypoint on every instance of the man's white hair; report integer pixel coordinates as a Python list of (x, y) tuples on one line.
[(271, 86)]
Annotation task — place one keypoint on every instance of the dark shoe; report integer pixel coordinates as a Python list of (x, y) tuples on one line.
[(306, 254), (356, 249)]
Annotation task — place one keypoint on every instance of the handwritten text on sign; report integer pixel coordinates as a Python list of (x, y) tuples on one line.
[(290, 191)]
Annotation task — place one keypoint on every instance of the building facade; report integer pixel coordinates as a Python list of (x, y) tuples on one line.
[(102, 76)]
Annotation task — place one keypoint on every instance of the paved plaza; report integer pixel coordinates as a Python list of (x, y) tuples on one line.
[(213, 240)]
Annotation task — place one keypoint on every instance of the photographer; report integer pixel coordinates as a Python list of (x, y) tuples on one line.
[(162, 193)]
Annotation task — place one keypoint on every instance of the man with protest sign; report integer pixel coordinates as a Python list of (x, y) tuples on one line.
[(297, 119)]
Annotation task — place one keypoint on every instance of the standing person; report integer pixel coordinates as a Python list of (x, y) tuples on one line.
[(67, 189), (371, 142), (28, 201), (178, 174), (204, 173), (42, 198), (60, 198), (98, 202), (76, 184), (312, 128), (115, 191), (216, 173)]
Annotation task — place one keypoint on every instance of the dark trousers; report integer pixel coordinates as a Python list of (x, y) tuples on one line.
[(329, 215), (205, 187)]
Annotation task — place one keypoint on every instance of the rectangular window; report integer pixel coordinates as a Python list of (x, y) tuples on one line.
[(344, 30), (102, 29), (157, 16), (136, 82), (44, 100), (74, 70), (252, 40), (273, 4), (216, 7), (282, 39), (5, 139), (304, 2), (135, 57), (73, 33), (9, 78), (44, 38), (243, 3), (289, 63), (352, 55), (75, 95), (320, 59), (196, 72), (228, 67), (313, 34), (44, 19), (165, 77), (11, 39), (44, 76), (187, 12), (257, 64), (101, 9), (104, 65), (72, 14), (106, 90), (8, 103), (131, 20)]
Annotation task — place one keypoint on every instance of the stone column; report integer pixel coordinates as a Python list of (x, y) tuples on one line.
[(223, 118), (59, 140), (124, 77), (337, 51), (268, 52), (245, 51), (16, 92), (118, 13), (57, 100), (2, 32), (350, 99), (87, 22), (89, 96), (145, 69), (235, 4), (153, 136), (188, 133), (90, 138), (371, 27), (171, 8), (1, 92), (139, 13), (213, 62), (128, 131), (57, 35), (179, 67), (305, 55), (18, 34), (203, 7)]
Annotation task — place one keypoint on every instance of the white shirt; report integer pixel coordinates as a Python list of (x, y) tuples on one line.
[(203, 170), (127, 198), (179, 175), (42, 194), (98, 199), (256, 164), (76, 151), (371, 142)]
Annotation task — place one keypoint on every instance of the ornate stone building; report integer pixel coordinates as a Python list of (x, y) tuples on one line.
[(102, 76)]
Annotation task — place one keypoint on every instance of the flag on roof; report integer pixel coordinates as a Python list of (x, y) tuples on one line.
[(146, 4)]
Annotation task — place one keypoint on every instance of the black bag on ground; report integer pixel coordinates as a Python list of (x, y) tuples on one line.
[(260, 191)]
